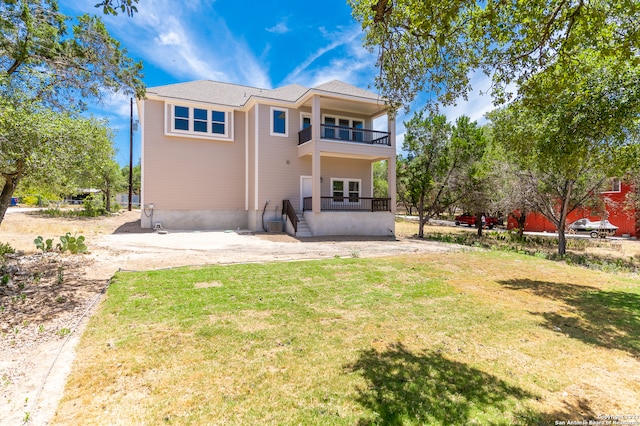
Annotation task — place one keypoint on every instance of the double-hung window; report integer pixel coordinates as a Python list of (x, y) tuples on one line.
[(181, 118), (200, 120), (218, 122)]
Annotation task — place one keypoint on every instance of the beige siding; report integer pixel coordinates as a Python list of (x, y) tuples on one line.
[(192, 174), (280, 167), (345, 168)]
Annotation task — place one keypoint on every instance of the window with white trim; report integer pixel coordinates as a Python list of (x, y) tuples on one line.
[(218, 122), (305, 121), (200, 118), (181, 118), (199, 122), (345, 190), (279, 121)]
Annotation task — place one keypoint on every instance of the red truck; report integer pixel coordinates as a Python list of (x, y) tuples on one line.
[(470, 220)]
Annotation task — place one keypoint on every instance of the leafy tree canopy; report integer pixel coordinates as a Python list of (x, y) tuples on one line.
[(111, 7), (43, 147), (434, 46), (41, 58), (570, 138)]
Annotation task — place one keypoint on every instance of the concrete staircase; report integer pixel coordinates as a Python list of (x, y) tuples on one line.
[(303, 228)]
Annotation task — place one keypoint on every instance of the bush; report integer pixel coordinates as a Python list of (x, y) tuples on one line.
[(5, 248), (93, 206), (30, 200)]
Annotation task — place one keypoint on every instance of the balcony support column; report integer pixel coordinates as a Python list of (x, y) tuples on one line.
[(391, 161), (316, 190)]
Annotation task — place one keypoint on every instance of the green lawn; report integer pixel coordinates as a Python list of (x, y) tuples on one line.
[(464, 338)]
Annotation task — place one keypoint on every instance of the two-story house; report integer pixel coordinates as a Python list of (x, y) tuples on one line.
[(224, 156)]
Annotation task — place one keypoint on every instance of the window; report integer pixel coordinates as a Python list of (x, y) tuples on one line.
[(346, 129), (615, 185), (345, 190), (181, 118), (354, 191), (279, 122), (358, 135), (329, 122), (218, 122), (200, 122), (306, 122), (338, 190)]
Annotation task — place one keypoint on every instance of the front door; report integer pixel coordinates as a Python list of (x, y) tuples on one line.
[(306, 189)]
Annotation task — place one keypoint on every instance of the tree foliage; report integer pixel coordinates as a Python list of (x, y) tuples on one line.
[(43, 147), (41, 59), (48, 70), (434, 46), (443, 163), (571, 138), (111, 7)]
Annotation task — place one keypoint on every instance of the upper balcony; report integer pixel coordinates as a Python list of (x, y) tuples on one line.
[(346, 134)]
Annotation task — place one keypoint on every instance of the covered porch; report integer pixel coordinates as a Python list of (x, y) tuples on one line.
[(338, 127)]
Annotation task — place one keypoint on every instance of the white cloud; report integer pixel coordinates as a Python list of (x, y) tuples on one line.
[(280, 28), (172, 38), (479, 101), (354, 65), (169, 39)]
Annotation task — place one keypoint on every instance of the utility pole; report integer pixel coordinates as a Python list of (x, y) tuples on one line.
[(130, 152)]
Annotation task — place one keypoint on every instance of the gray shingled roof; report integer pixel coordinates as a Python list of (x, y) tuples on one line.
[(235, 95), (290, 93), (339, 87), (207, 91)]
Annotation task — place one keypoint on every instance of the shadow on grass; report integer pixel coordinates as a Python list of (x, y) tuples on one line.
[(405, 387), (606, 318)]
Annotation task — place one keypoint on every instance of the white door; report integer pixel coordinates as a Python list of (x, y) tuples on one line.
[(306, 189)]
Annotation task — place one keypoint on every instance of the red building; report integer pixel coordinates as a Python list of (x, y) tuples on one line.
[(617, 212)]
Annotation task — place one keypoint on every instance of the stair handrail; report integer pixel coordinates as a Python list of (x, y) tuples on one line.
[(288, 209)]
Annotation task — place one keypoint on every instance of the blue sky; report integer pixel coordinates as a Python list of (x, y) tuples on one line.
[(263, 44)]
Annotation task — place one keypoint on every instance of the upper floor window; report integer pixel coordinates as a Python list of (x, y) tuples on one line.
[(279, 121), (181, 118), (218, 120), (615, 185), (343, 128), (306, 121), (200, 122)]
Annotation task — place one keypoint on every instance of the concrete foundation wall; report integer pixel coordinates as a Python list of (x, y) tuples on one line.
[(351, 223), (196, 219)]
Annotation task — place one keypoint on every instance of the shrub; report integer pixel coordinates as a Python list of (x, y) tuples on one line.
[(30, 200), (5, 248)]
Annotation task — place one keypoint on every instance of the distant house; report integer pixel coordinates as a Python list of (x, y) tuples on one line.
[(224, 156), (616, 211)]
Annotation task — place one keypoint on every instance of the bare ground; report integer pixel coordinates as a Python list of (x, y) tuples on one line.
[(48, 298)]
